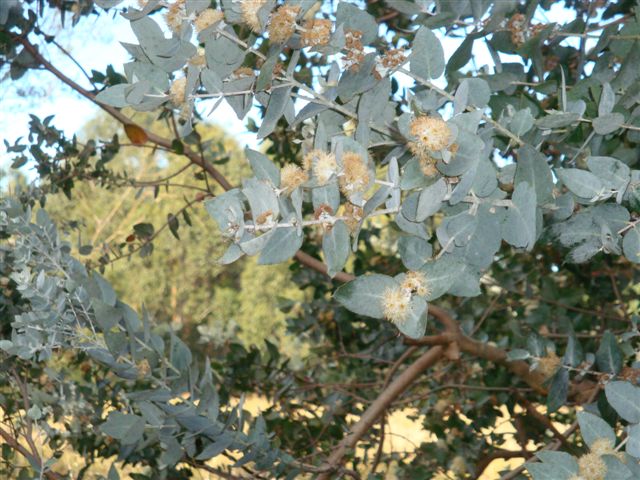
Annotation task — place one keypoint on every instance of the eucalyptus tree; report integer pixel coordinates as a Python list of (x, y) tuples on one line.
[(470, 232)]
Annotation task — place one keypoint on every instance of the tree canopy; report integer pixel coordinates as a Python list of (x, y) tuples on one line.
[(452, 186)]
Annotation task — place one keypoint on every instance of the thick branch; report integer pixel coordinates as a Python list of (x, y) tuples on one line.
[(452, 333), (479, 349), (379, 406)]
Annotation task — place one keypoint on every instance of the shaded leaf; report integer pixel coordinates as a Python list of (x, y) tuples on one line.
[(415, 323), (430, 200), (263, 168), (174, 225), (609, 355), (633, 443), (282, 245), (441, 274), (533, 169), (558, 390), (427, 55), (593, 427), (414, 251), (608, 123), (631, 245), (126, 428), (336, 247), (364, 294), (580, 182), (625, 399), (519, 227), (565, 464), (275, 109)]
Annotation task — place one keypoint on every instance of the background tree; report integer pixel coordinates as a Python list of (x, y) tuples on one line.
[(151, 187), (499, 200)]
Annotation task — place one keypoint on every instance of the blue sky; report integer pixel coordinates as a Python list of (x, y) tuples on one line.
[(95, 44)]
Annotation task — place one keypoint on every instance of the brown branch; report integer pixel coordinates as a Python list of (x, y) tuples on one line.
[(388, 16), (379, 406), (497, 355), (194, 157), (616, 291), (458, 386), (33, 459), (430, 340), (13, 443), (149, 240), (28, 423), (454, 334), (554, 445), (542, 419), (315, 264), (216, 471), (378, 455), (486, 460), (383, 418), (479, 349)]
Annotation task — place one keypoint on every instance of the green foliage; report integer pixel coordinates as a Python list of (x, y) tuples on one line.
[(506, 192), (63, 307)]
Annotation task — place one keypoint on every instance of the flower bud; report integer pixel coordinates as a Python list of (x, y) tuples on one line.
[(178, 91), (207, 18), (355, 173), (395, 304), (291, 177), (283, 23), (249, 9), (316, 32)]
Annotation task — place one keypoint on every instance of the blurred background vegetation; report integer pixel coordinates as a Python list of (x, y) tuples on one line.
[(181, 284)]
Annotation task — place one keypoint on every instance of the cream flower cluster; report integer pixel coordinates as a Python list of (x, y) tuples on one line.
[(549, 364), (177, 92), (175, 15), (249, 9), (354, 50), (316, 32), (291, 177), (207, 18), (431, 133), (283, 23), (355, 175), (396, 301), (591, 466), (391, 59), (353, 216), (416, 282), (323, 165)]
